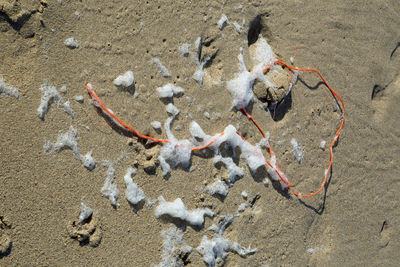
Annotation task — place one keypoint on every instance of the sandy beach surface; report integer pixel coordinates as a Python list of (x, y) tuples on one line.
[(353, 221)]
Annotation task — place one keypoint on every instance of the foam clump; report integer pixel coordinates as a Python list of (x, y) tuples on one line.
[(64, 140), (222, 22), (172, 110), (71, 43), (161, 68), (176, 152), (252, 154), (196, 131), (177, 209), (49, 95), (88, 161), (85, 213), (215, 250), (109, 189), (272, 171), (241, 87), (173, 246), (200, 63), (69, 140), (133, 193), (184, 50), (238, 28), (296, 150), (264, 53), (67, 108), (166, 168), (234, 172), (198, 75), (7, 89), (169, 90), (125, 80), (217, 188)]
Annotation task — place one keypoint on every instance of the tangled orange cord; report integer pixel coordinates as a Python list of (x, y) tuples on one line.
[(100, 105)]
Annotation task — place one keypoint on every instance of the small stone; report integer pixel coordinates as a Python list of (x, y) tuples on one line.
[(152, 152), (281, 78), (5, 244), (77, 14), (78, 98), (322, 145), (156, 126), (86, 233), (95, 239), (130, 142), (149, 167), (5, 222), (71, 43), (242, 207), (201, 197)]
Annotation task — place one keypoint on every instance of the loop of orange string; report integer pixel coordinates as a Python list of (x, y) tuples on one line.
[(100, 104), (333, 141)]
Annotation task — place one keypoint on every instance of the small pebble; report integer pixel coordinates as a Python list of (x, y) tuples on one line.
[(310, 251), (63, 89), (156, 125), (77, 14), (78, 98), (71, 43), (242, 207), (322, 145)]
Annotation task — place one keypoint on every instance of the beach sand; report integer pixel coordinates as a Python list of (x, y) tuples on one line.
[(354, 44)]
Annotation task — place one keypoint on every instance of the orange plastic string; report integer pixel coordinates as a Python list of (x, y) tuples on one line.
[(271, 153), (332, 143), (94, 96)]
